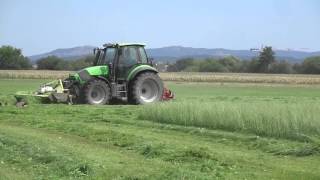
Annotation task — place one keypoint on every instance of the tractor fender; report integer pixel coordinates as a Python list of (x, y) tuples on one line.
[(91, 79), (103, 79), (140, 69)]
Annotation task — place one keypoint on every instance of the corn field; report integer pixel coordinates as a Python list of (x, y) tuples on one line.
[(182, 77), (242, 78), (33, 74)]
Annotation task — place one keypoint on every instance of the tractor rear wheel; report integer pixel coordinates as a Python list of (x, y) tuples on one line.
[(96, 92), (146, 88)]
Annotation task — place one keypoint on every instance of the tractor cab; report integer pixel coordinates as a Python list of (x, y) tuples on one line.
[(121, 58)]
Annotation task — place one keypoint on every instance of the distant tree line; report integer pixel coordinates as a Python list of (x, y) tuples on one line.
[(264, 63), (56, 63), (12, 58)]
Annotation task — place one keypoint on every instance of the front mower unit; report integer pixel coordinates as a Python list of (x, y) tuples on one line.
[(49, 92)]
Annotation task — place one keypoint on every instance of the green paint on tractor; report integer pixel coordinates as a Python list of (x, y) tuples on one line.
[(92, 71), (98, 70)]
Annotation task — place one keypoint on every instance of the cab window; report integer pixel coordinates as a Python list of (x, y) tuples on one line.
[(128, 56), (143, 56)]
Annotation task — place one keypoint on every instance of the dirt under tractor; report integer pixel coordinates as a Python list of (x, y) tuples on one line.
[(120, 72)]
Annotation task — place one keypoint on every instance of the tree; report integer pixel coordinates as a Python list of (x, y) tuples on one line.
[(232, 64), (281, 67), (297, 68), (311, 65), (212, 65), (81, 63), (12, 58), (266, 58), (181, 65), (52, 63), (251, 66)]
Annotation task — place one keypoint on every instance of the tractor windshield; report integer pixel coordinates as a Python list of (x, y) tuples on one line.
[(110, 55), (99, 57)]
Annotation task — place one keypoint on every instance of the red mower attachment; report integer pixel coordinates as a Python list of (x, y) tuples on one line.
[(167, 95)]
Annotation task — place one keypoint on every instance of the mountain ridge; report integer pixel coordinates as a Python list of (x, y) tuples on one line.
[(172, 53)]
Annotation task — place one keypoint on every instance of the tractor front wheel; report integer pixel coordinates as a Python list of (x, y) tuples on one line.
[(146, 88), (96, 92), (75, 92)]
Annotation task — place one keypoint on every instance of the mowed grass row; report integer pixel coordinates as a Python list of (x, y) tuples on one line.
[(181, 77), (295, 121)]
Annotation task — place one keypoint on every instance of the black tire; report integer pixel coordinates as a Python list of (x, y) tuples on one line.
[(146, 88), (76, 94), (96, 92)]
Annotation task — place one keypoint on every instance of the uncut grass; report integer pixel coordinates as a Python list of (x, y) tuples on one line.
[(280, 120)]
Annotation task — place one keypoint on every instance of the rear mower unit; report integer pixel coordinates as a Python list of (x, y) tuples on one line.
[(120, 72)]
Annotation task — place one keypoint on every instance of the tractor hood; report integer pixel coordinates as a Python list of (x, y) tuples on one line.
[(85, 74)]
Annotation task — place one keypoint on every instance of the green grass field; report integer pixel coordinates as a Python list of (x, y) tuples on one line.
[(210, 131)]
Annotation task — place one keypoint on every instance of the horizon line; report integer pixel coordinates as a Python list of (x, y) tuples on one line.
[(306, 50)]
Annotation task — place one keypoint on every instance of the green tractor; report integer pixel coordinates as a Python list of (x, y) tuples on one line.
[(120, 72)]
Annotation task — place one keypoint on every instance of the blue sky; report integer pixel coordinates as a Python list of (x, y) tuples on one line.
[(38, 26)]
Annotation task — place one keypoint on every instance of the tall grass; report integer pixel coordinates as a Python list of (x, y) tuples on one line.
[(271, 119), (241, 77)]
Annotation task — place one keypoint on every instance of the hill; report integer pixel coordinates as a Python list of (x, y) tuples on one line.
[(172, 53), (66, 53)]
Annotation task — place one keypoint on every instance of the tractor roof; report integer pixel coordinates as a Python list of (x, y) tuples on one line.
[(123, 44)]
